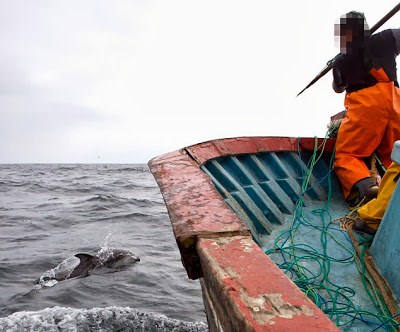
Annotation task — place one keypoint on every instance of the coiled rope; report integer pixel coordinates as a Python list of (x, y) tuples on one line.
[(334, 300), (347, 223)]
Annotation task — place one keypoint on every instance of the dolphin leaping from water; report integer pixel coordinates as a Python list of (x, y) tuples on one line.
[(81, 265)]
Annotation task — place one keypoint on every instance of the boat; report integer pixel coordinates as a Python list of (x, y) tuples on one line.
[(262, 222)]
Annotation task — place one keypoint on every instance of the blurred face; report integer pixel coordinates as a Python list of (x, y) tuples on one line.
[(344, 37), (351, 31)]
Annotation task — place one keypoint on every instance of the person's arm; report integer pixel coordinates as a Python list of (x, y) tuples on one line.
[(337, 83), (337, 89)]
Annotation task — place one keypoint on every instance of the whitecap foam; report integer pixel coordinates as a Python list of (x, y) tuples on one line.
[(96, 319)]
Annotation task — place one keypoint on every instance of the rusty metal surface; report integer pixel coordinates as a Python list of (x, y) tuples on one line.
[(250, 293)]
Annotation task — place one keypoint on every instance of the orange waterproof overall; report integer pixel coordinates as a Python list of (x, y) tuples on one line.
[(372, 123)]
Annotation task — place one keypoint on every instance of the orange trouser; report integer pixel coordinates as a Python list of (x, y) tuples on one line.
[(372, 123)]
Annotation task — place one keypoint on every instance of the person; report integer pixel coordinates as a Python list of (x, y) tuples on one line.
[(366, 70), (370, 215)]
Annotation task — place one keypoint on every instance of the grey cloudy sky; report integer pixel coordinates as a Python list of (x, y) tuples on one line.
[(125, 81)]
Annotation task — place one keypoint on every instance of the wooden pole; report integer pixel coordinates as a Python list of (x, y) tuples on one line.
[(330, 63)]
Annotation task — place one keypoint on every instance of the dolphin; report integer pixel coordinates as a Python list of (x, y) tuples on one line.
[(81, 265)]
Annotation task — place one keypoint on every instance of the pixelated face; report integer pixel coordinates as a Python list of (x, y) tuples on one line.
[(344, 38), (349, 31)]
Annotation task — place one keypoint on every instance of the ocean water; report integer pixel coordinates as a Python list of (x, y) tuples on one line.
[(51, 212)]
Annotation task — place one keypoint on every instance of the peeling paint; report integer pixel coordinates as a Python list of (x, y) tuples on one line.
[(270, 306), (247, 244), (249, 288)]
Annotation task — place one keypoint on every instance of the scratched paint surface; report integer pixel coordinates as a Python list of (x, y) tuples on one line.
[(195, 208), (194, 205), (252, 283)]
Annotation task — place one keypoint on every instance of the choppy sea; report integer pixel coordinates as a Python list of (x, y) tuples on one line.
[(49, 212)]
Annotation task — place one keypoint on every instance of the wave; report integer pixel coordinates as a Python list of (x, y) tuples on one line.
[(30, 238), (134, 215), (136, 184), (49, 205), (115, 199), (137, 168), (65, 168), (146, 202), (106, 198), (12, 183), (97, 319)]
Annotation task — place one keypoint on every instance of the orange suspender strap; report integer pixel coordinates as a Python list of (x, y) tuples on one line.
[(380, 75)]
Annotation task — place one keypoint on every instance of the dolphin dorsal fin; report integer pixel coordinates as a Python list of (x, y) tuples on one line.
[(85, 258), (86, 265)]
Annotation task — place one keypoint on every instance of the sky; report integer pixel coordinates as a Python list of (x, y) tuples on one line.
[(100, 81)]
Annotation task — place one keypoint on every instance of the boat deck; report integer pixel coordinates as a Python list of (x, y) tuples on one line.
[(292, 222)]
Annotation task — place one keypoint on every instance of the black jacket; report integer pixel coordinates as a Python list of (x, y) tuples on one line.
[(351, 71)]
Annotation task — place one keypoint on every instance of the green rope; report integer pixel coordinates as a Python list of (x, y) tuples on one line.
[(334, 300)]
